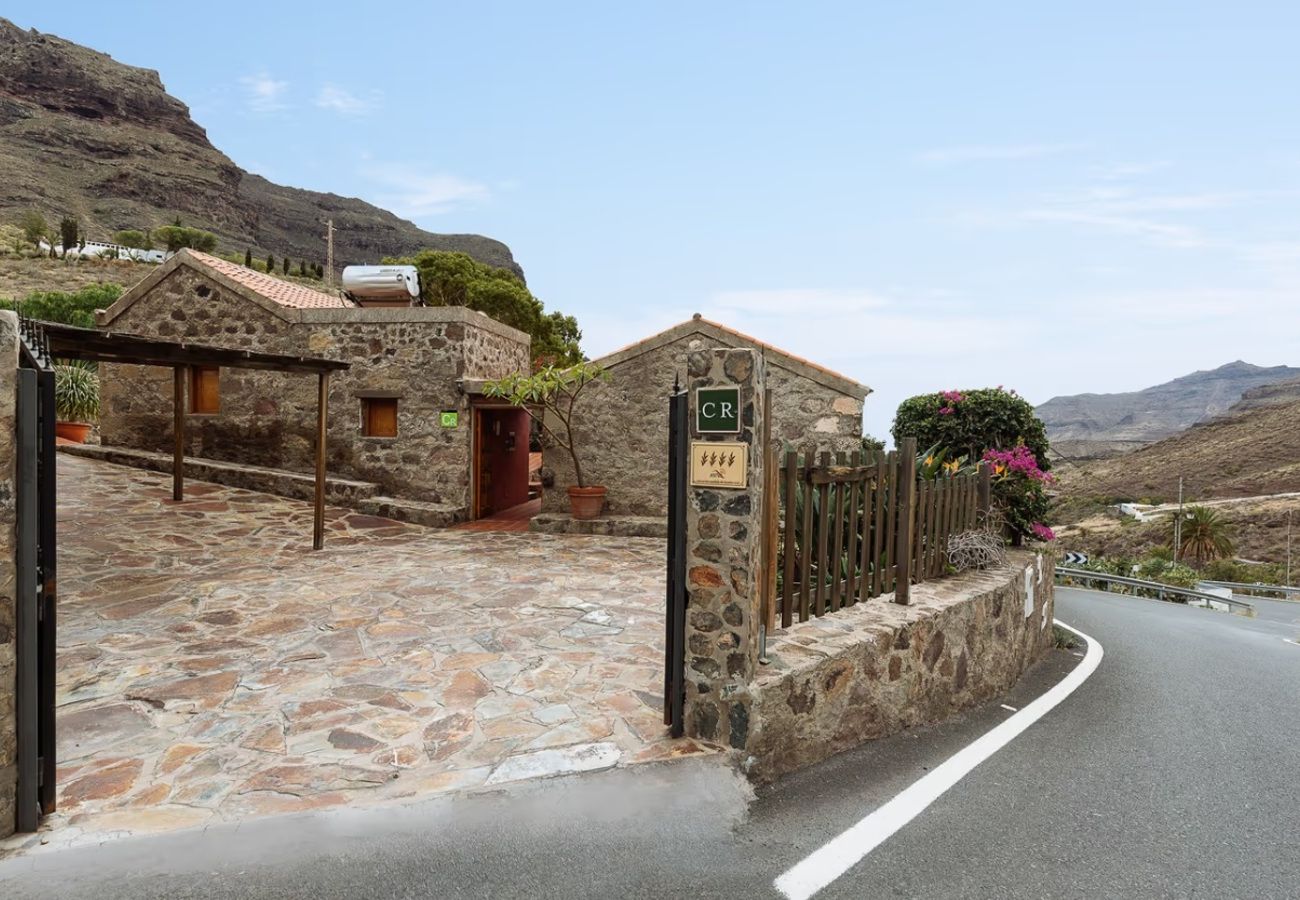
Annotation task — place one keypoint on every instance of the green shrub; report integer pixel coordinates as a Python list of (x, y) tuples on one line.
[(77, 308), (971, 422)]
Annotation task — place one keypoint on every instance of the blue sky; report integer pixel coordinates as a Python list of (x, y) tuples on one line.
[(1055, 197)]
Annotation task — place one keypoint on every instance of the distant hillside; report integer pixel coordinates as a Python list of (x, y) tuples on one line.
[(1099, 425), (84, 135), (1250, 450)]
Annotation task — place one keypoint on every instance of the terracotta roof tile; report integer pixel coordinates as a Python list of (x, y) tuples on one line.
[(285, 293)]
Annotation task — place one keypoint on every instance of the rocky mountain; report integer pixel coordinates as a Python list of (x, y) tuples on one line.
[(84, 135), (1252, 449), (1099, 425)]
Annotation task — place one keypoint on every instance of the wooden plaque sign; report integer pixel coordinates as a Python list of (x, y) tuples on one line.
[(720, 464)]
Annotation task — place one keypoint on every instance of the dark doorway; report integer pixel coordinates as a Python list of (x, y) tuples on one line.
[(500, 459)]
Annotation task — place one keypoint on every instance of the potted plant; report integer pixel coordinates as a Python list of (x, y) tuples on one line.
[(555, 389), (76, 400)]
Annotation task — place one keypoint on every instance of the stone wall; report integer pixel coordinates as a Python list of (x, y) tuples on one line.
[(8, 517), (722, 566), (622, 425), (269, 419), (878, 667)]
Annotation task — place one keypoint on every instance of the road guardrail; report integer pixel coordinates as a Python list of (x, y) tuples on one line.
[(1236, 586), (1161, 591)]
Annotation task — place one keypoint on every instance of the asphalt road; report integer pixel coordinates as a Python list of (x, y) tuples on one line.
[(1171, 772)]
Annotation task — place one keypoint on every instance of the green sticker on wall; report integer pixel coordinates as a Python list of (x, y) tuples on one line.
[(449, 419)]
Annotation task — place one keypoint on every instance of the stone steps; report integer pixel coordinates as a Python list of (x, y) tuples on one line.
[(297, 485), (620, 526), (433, 515)]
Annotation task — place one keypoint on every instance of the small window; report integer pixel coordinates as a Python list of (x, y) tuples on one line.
[(379, 416), (205, 389)]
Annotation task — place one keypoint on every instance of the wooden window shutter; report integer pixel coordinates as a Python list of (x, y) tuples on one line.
[(205, 389), (379, 417)]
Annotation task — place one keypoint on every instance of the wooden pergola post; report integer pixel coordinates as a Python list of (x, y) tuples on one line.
[(322, 416), (178, 432)]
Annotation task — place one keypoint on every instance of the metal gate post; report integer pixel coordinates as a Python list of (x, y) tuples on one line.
[(47, 561), (27, 815), (675, 613)]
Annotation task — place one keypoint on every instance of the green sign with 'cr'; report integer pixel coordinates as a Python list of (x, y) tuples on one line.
[(717, 410), (449, 419)]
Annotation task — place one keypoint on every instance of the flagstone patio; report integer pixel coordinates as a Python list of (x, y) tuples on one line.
[(212, 667)]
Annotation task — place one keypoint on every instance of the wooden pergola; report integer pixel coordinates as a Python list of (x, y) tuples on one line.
[(71, 342)]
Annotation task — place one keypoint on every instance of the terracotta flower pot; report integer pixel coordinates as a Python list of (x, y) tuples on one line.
[(586, 502), (72, 431)]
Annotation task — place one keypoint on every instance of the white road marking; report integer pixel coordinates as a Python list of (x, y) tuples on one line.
[(841, 853), (1012, 708)]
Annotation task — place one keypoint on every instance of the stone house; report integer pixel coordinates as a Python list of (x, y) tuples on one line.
[(405, 420), (621, 425)]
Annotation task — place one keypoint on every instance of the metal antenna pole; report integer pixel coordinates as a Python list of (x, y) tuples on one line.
[(329, 253), (1288, 548), (1178, 522)]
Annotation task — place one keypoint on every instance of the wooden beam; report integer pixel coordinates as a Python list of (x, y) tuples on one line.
[(322, 412), (179, 374)]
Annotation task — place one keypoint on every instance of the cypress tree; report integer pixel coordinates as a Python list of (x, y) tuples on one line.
[(285, 265), (270, 264), (248, 259)]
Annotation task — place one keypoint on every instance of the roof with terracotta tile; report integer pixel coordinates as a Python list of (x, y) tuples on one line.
[(277, 290), (724, 334)]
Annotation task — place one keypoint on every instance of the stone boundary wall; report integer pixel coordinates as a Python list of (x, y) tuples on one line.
[(8, 573), (878, 668)]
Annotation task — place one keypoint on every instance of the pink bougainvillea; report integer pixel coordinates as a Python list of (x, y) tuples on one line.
[(1042, 532), (1020, 461)]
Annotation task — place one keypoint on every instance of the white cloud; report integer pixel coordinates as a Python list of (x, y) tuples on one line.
[(1164, 233), (993, 153), (340, 100), (1129, 170), (410, 191), (265, 94)]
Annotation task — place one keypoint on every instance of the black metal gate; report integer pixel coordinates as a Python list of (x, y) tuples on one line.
[(36, 577), (675, 618)]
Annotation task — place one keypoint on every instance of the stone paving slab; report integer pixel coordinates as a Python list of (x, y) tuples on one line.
[(212, 667)]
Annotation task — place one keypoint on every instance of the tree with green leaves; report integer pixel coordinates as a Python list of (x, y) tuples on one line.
[(248, 258), (456, 279), (302, 268), (34, 227), (285, 265), (320, 270), (177, 237), (270, 264), (68, 231), (555, 390), (1206, 535), (136, 240)]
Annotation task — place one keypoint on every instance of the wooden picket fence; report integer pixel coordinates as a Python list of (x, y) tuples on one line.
[(844, 529)]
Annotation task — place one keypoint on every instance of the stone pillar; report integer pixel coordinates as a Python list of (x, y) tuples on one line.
[(723, 540), (8, 512)]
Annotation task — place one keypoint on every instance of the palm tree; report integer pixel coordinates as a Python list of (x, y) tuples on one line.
[(1205, 535)]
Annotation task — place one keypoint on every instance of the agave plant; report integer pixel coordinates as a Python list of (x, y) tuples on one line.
[(76, 392)]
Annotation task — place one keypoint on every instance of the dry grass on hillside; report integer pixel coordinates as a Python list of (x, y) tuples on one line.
[(1258, 530), (1240, 454), (19, 276)]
